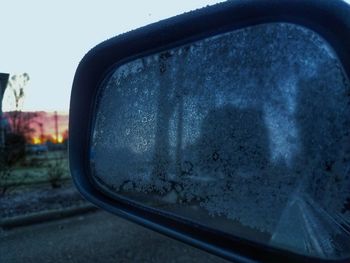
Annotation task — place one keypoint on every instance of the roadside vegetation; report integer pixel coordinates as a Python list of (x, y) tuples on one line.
[(33, 170)]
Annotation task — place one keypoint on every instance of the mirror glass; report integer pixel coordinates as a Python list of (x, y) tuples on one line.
[(246, 132)]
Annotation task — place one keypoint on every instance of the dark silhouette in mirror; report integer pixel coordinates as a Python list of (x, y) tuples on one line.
[(232, 139)]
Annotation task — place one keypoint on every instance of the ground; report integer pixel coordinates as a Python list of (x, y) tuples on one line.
[(94, 237), (41, 198), (38, 183)]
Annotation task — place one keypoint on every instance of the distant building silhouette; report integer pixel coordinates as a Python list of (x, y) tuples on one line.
[(3, 83)]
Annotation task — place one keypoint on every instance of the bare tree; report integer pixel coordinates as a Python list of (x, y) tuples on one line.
[(16, 84)]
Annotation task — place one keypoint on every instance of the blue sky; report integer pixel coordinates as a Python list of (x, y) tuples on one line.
[(47, 39)]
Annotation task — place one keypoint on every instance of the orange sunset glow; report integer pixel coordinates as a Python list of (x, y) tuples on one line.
[(42, 126), (38, 140)]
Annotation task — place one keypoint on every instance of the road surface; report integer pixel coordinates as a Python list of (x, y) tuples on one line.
[(94, 237)]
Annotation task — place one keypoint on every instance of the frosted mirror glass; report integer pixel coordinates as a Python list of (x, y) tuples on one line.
[(246, 132)]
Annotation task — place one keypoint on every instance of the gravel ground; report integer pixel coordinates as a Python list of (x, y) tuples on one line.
[(39, 199), (95, 237)]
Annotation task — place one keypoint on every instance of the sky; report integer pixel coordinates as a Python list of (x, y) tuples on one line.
[(47, 39)]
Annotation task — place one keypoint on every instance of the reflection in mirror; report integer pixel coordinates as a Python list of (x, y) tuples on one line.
[(246, 132)]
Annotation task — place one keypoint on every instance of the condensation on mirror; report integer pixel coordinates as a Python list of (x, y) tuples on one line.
[(246, 132)]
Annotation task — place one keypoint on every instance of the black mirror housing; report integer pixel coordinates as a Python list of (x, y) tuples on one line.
[(329, 19)]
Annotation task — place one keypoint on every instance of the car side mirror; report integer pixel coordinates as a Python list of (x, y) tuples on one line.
[(226, 128)]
